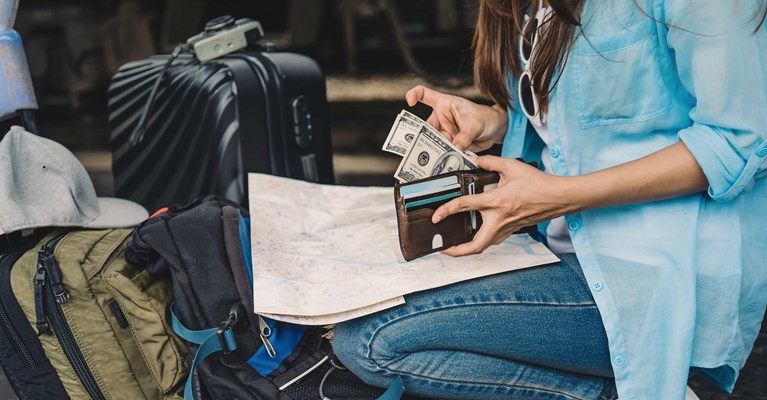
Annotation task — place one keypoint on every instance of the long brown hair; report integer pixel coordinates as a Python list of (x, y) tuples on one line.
[(496, 45)]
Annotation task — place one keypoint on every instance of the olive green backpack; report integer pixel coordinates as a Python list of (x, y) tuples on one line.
[(102, 322)]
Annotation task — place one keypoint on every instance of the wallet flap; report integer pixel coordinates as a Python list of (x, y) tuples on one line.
[(419, 236)]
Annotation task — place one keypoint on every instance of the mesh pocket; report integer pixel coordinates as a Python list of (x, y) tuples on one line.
[(342, 384), (331, 382)]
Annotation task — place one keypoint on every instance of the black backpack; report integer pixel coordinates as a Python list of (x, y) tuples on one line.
[(245, 355), (22, 357)]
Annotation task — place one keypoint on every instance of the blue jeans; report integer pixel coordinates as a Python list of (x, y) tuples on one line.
[(528, 334)]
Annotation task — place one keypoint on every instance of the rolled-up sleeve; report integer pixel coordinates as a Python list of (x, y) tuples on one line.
[(722, 64)]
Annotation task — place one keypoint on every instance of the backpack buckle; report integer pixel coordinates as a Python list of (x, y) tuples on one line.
[(225, 331)]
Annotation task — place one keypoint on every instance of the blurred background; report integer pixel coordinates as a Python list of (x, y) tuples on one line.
[(372, 52)]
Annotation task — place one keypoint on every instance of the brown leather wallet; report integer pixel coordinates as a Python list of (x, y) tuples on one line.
[(417, 235)]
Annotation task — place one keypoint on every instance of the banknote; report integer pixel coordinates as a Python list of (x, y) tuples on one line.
[(431, 154), (401, 135)]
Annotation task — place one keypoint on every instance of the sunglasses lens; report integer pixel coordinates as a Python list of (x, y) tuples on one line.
[(526, 95)]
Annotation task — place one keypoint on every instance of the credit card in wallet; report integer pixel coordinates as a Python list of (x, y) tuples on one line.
[(408, 190), (431, 202), (431, 193)]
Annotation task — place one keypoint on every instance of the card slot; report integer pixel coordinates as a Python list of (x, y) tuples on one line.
[(432, 202), (421, 213), (427, 184), (422, 237), (431, 195), (432, 192)]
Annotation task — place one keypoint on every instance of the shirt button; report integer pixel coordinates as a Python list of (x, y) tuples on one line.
[(554, 152), (619, 361), (598, 286), (762, 152), (574, 225)]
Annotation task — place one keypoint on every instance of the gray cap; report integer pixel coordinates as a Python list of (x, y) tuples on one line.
[(43, 184)]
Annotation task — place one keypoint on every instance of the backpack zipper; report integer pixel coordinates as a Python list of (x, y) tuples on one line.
[(47, 271), (10, 331), (50, 294)]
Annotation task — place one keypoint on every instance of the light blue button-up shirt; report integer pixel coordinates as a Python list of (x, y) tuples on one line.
[(680, 282)]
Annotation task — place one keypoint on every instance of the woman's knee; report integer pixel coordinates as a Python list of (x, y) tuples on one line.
[(358, 346), (350, 344)]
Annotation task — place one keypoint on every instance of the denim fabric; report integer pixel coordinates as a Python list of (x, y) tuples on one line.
[(681, 282), (528, 334)]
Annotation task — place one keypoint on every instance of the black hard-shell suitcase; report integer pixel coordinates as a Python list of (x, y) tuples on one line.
[(209, 124), (22, 357)]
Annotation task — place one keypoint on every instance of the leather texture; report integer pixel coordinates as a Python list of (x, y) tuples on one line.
[(418, 236)]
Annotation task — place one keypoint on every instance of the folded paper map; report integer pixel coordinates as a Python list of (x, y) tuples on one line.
[(324, 254)]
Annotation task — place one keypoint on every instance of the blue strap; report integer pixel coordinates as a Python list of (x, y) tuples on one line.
[(245, 244), (209, 342), (395, 390)]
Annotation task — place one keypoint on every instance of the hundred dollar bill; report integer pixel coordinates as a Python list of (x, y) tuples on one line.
[(401, 135), (431, 154)]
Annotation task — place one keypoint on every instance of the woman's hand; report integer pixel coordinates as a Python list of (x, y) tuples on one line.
[(524, 196), (527, 196), (469, 126)]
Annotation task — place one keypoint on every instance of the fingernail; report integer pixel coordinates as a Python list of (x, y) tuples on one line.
[(435, 219)]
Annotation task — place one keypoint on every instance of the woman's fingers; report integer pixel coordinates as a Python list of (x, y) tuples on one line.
[(482, 240), (433, 120), (422, 94), (447, 126), (492, 163), (486, 236), (463, 141), (463, 203)]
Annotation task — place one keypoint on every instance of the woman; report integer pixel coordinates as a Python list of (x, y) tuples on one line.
[(650, 117)]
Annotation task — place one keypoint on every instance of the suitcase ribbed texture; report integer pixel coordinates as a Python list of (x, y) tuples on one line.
[(193, 127), (211, 123)]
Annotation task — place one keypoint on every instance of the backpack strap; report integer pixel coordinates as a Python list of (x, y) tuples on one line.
[(395, 390), (210, 341), (231, 225)]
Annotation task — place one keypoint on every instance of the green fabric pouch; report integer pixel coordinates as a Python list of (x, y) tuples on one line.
[(105, 326)]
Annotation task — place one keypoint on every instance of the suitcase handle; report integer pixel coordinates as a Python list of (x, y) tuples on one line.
[(138, 134)]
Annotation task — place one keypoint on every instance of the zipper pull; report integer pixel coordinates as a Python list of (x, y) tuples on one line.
[(266, 331), (54, 276), (39, 281)]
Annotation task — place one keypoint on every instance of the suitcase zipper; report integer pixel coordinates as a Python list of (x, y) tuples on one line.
[(52, 295), (10, 330)]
